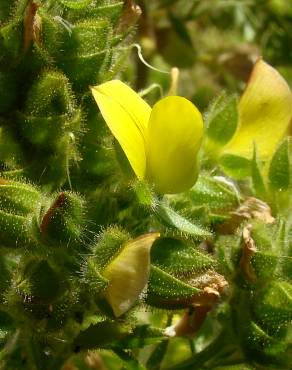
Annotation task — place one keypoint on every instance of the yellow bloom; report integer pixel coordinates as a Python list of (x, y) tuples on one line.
[(161, 143), (265, 111), (128, 273)]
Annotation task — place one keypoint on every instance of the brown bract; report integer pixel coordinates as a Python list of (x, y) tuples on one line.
[(248, 250), (32, 26), (212, 285)]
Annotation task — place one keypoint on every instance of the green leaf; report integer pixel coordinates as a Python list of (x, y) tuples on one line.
[(108, 245), (130, 362), (76, 4), (241, 366), (143, 335), (264, 264), (260, 343), (279, 171), (273, 305), (91, 277), (217, 193), (101, 335), (222, 119), (156, 357), (235, 166), (15, 231), (228, 249), (18, 198), (173, 220), (166, 291), (85, 51), (257, 179), (175, 257)]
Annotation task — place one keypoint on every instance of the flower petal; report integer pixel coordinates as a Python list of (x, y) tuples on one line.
[(174, 136), (127, 115), (128, 273), (265, 110)]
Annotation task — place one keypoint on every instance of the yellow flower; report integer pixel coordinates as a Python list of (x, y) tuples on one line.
[(265, 111), (128, 273), (161, 143)]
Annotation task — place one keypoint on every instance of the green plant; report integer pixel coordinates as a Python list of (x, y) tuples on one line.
[(98, 267)]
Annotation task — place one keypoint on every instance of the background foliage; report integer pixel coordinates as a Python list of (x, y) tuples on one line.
[(213, 42), (69, 205)]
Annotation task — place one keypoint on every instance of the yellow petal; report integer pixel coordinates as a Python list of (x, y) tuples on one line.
[(128, 273), (127, 116), (265, 110), (174, 136)]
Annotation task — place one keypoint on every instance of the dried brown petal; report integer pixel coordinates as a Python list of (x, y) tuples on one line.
[(248, 250)]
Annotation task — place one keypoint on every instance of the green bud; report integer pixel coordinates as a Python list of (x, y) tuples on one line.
[(63, 222), (49, 111)]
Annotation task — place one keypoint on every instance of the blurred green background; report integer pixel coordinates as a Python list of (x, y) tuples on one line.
[(214, 43)]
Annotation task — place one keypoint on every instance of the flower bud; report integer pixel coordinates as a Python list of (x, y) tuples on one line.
[(63, 222), (50, 111)]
